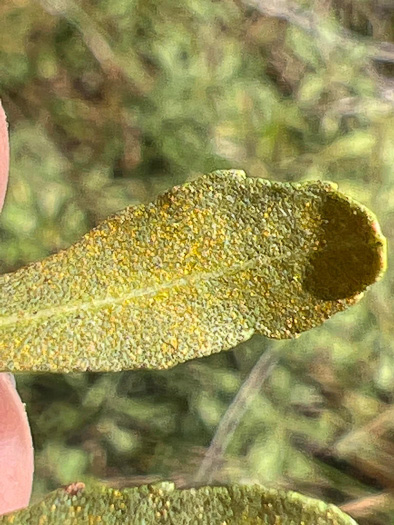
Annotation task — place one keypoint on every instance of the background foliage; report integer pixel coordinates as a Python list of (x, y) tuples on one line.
[(109, 104)]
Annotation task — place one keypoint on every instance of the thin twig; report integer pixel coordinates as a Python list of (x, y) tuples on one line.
[(309, 22), (373, 429), (369, 505), (231, 419), (97, 43)]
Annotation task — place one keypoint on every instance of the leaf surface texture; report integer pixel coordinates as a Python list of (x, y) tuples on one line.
[(204, 267), (162, 503)]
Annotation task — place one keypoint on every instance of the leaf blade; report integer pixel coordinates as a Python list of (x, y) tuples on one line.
[(163, 503), (199, 270)]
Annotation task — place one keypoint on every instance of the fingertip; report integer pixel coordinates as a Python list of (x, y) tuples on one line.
[(16, 449), (4, 155)]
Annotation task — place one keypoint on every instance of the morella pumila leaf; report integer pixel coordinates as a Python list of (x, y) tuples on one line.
[(163, 503), (204, 267)]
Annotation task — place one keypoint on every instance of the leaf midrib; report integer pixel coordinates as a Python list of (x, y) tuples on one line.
[(96, 304)]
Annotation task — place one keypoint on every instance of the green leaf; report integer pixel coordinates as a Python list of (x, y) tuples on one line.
[(356, 144), (162, 503), (204, 267)]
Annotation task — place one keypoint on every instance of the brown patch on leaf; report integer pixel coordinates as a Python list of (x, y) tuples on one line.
[(75, 488)]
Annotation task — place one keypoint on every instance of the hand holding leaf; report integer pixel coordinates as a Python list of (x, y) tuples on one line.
[(201, 269), (16, 451)]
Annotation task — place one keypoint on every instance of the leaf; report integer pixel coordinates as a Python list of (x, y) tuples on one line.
[(163, 503), (353, 145), (204, 267)]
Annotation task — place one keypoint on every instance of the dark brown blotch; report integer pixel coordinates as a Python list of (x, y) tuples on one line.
[(351, 253)]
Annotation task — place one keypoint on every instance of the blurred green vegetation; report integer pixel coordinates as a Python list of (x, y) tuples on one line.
[(110, 103)]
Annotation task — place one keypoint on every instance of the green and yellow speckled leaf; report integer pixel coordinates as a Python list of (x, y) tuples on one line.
[(162, 503), (204, 267)]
